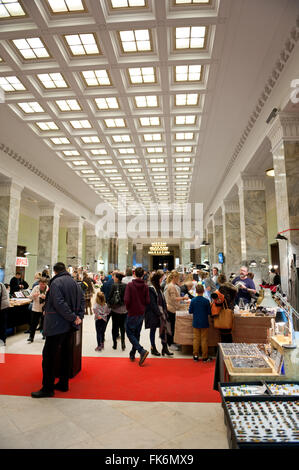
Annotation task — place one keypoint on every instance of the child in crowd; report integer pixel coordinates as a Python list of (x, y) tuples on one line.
[(101, 313), (201, 309)]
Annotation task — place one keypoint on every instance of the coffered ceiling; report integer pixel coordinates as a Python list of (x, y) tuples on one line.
[(140, 98)]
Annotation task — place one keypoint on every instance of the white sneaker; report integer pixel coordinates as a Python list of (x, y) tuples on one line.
[(174, 347)]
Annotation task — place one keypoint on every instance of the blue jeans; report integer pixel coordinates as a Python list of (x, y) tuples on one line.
[(133, 329)]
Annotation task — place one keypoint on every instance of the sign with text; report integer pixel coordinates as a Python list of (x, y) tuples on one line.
[(21, 261)]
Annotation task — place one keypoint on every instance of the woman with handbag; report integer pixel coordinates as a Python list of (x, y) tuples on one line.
[(118, 309), (229, 291), (156, 315)]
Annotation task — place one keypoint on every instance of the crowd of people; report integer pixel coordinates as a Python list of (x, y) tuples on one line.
[(130, 299)]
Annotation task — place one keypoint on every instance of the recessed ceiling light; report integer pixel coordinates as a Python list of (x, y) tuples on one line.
[(188, 73), (96, 78), (184, 135), (93, 139), (60, 140), (81, 124), (186, 99), (119, 122), (127, 3), (47, 125), (68, 105), (121, 138)]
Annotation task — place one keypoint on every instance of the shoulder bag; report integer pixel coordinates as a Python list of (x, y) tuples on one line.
[(225, 319)]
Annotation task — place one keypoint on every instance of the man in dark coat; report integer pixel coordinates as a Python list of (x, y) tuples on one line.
[(64, 310)]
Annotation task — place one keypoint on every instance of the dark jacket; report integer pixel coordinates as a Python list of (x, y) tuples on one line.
[(106, 287), (15, 283), (184, 291), (136, 297), (64, 302), (230, 292), (201, 309), (152, 311)]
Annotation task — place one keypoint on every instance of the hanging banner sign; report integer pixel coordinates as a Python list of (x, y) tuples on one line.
[(21, 261)]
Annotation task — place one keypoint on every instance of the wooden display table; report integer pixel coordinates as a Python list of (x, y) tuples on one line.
[(250, 328), (18, 314), (184, 330)]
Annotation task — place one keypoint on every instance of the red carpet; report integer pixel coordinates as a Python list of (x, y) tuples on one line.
[(111, 378)]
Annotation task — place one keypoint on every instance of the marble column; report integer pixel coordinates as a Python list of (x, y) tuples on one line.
[(74, 241), (253, 225), (10, 196), (130, 253), (122, 254), (284, 138), (92, 249), (231, 237), (185, 253), (105, 254), (218, 237), (48, 235), (139, 253), (210, 240)]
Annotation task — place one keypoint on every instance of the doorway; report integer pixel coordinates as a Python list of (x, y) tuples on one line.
[(274, 254), (163, 262)]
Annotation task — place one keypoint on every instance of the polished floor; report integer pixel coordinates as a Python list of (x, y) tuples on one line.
[(61, 423)]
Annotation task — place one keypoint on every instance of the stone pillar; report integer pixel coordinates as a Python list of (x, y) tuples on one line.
[(92, 249), (185, 253), (47, 253), (122, 255), (74, 242), (139, 253), (284, 138), (105, 254), (10, 196), (217, 236), (253, 225), (210, 240), (231, 237), (130, 253)]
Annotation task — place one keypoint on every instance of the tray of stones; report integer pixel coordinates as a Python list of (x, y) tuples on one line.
[(240, 349), (262, 421), (283, 388), (241, 389), (253, 364)]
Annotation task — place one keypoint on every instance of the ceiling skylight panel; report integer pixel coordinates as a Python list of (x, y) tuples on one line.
[(190, 37), (96, 78), (68, 105), (79, 163), (31, 107), (151, 150), (60, 140), (127, 151), (82, 44), (186, 99), (121, 138), (183, 160), (71, 153), (10, 84), (47, 126), (98, 152), (81, 124), (188, 73), (184, 149), (119, 122), (139, 75), (184, 135), (131, 161), (93, 139), (52, 80), (31, 48), (150, 121), (156, 160), (105, 162), (11, 8), (191, 2), (107, 103), (127, 3), (185, 120), (135, 40), (149, 101), (87, 172), (65, 6)]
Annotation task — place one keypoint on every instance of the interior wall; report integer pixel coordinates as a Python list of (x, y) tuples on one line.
[(62, 249)]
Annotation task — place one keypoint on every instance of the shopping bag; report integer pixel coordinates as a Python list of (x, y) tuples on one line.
[(225, 319)]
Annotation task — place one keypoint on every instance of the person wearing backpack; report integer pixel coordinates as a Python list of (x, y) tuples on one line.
[(118, 309)]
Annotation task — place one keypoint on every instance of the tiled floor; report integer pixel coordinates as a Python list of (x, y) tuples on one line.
[(54, 423)]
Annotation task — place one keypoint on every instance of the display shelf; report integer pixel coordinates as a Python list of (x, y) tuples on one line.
[(286, 388), (262, 421), (242, 389)]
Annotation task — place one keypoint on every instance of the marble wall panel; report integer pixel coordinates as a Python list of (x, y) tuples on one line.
[(9, 227), (47, 241), (232, 242)]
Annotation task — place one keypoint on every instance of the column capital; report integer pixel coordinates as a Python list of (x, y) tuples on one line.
[(285, 128), (230, 207), (75, 222), (217, 220), (12, 189), (251, 183), (49, 210)]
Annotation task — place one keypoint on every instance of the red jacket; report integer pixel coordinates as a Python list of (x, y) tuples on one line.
[(136, 297)]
